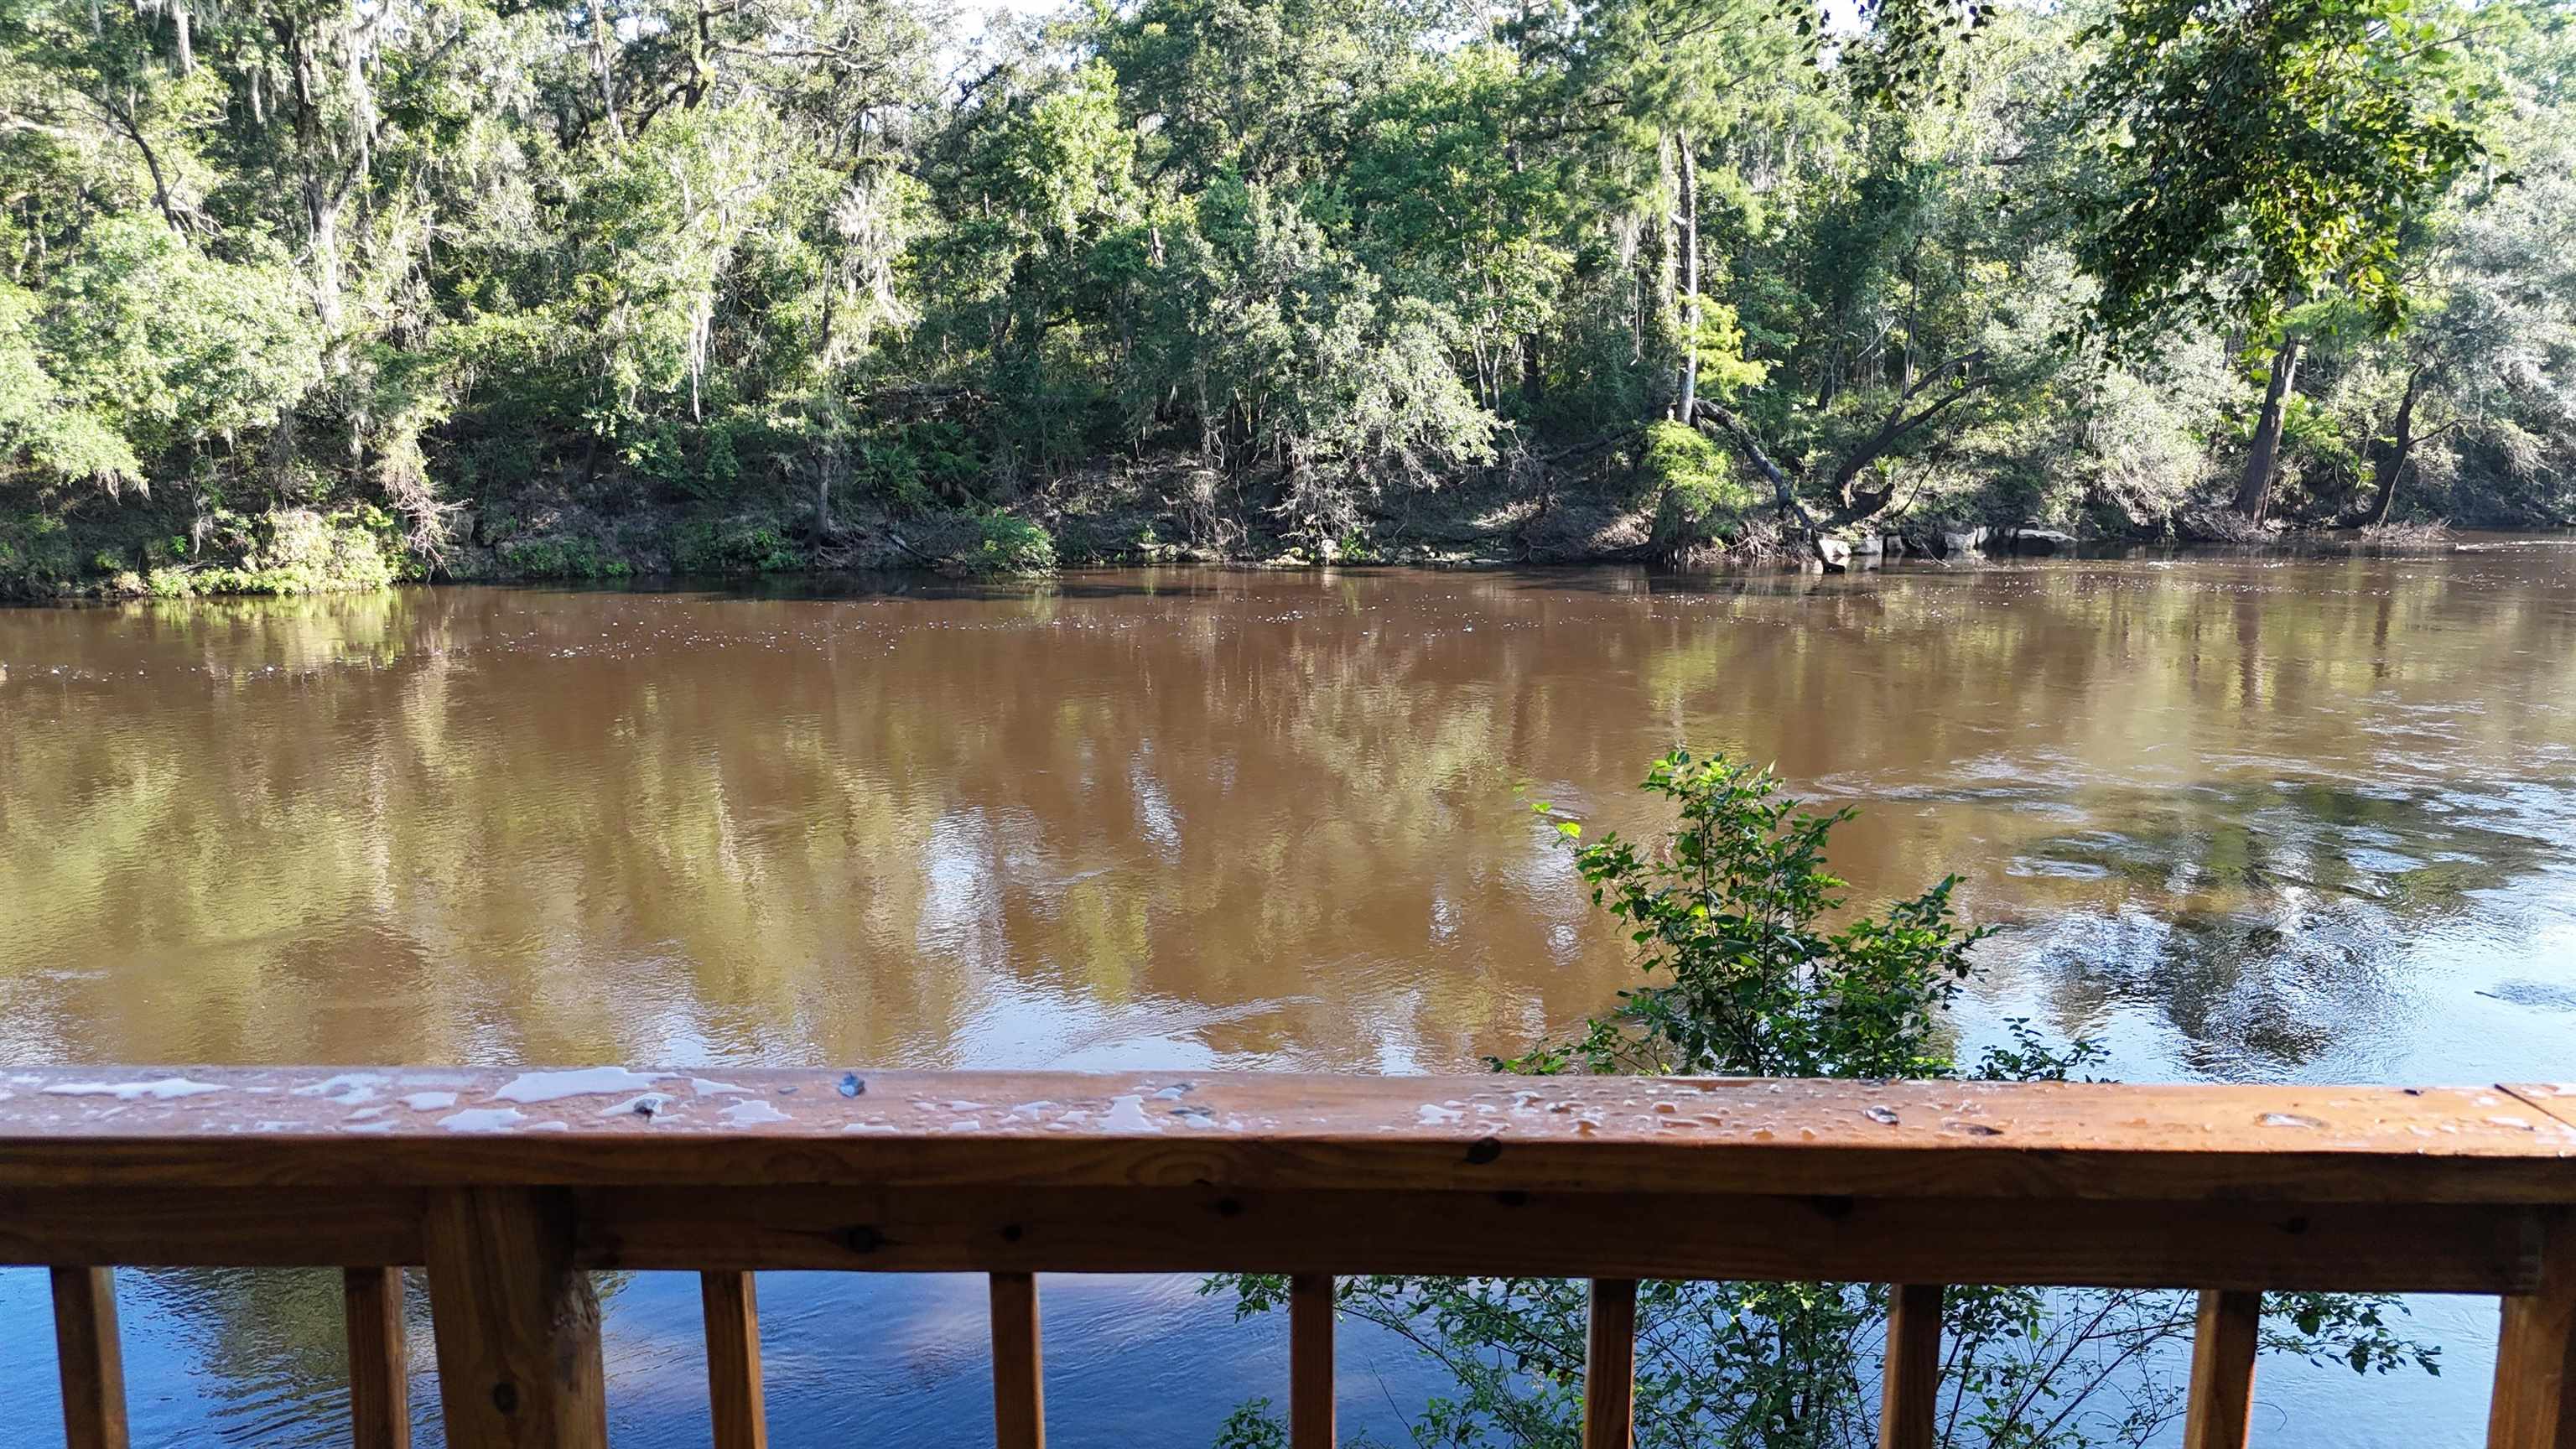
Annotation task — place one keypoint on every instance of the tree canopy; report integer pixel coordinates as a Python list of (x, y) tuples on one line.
[(479, 288)]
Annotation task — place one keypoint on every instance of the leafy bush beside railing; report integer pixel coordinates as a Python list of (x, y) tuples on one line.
[(1727, 916)]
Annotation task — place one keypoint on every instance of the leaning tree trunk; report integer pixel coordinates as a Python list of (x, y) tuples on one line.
[(1709, 415), (2263, 459), (2401, 445)]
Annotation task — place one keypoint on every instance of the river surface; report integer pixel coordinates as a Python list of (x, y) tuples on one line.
[(2238, 818)]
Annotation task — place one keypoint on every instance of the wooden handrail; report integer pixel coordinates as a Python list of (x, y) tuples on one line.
[(508, 1186)]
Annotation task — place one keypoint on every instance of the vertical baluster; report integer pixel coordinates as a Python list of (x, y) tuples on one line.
[(93, 1361), (2222, 1370), (1019, 1396), (516, 1323), (1910, 1388), (2535, 1384), (371, 1301), (733, 1361), (1610, 1365), (1310, 1361)]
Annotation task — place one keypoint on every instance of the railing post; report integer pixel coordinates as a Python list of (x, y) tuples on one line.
[(92, 1360), (1310, 1361), (1910, 1384), (1019, 1394), (2535, 1383), (371, 1301), (2221, 1410), (516, 1323), (733, 1360), (1610, 1365)]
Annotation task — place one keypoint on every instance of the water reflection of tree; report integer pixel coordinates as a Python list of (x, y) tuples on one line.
[(1252, 816), (270, 1346)]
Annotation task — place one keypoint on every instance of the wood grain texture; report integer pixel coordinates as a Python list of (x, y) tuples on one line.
[(734, 1395), (516, 1322), (91, 1356), (2221, 1409), (1910, 1388), (2535, 1383), (209, 1227), (1311, 1389), (1210, 1229), (1019, 1370), (2394, 1247), (1610, 1365), (65, 1128), (379, 1358)]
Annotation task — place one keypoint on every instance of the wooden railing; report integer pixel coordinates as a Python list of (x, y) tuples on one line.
[(509, 1186)]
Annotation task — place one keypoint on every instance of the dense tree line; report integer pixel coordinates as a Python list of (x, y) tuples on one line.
[(304, 292)]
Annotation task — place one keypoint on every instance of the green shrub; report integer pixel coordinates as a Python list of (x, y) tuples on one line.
[(37, 555), (285, 551), (733, 547), (1252, 1426), (561, 558), (1700, 498), (1006, 544), (702, 460), (913, 466), (1743, 977), (1741, 980)]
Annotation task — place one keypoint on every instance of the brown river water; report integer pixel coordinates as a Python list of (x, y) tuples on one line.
[(2243, 818)]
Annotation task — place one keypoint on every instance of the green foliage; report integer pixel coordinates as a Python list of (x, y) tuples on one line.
[(41, 424), (37, 557), (733, 546), (1258, 91), (2324, 472), (1301, 361), (452, 259), (1724, 917), (142, 345), (1006, 544), (915, 466), (292, 551), (1701, 498), (1727, 915), (2258, 154), (561, 558), (1252, 1426)]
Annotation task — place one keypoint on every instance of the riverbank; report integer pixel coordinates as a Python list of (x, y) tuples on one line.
[(1165, 513)]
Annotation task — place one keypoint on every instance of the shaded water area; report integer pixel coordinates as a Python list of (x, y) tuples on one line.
[(2241, 818)]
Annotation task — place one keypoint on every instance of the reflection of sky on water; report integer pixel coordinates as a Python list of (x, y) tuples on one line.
[(896, 1359), (2297, 931), (2380, 935)]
